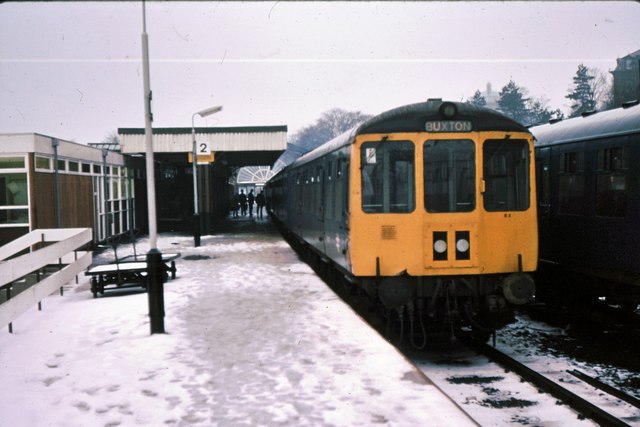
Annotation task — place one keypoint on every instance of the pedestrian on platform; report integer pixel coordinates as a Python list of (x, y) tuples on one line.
[(260, 201), (250, 199), (235, 205), (243, 203)]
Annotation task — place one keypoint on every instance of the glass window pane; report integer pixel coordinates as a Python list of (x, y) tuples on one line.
[(14, 216), (43, 163), (611, 199), (74, 166), (388, 177), (506, 175), (11, 162), (449, 175), (13, 189)]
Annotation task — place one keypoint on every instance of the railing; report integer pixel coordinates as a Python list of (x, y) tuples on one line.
[(61, 247)]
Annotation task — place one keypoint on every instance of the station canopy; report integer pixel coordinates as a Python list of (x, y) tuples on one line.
[(235, 146)]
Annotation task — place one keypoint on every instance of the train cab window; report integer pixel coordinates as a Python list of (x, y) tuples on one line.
[(506, 175), (611, 182), (449, 175), (388, 177)]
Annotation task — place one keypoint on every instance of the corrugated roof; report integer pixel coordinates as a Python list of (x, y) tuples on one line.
[(205, 130), (179, 140)]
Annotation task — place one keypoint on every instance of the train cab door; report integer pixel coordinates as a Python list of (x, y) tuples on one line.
[(543, 185)]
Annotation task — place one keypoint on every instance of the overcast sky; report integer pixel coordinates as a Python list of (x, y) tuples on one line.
[(73, 70)]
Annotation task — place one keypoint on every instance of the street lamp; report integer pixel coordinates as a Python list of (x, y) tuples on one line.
[(196, 212)]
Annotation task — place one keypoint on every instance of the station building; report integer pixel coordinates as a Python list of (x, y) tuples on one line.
[(626, 79), (46, 182)]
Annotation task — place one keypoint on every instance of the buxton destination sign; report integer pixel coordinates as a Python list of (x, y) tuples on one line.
[(448, 126)]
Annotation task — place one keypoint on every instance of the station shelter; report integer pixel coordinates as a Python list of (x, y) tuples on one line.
[(222, 152)]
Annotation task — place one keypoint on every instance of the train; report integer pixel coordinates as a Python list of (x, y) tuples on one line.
[(589, 208), (428, 209)]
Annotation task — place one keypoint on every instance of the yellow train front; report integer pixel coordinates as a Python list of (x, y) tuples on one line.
[(429, 208)]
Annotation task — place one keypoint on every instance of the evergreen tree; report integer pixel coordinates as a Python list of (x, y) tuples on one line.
[(539, 113), (583, 94), (477, 99), (512, 102)]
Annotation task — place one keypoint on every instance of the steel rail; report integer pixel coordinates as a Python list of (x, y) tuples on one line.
[(574, 401), (605, 387)]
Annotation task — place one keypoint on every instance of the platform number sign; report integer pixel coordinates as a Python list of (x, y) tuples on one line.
[(203, 148)]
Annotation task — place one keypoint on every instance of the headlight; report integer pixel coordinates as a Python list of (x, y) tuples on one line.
[(462, 245), (440, 246)]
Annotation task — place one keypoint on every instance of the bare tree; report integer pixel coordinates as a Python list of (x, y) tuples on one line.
[(330, 124), (603, 89), (111, 138)]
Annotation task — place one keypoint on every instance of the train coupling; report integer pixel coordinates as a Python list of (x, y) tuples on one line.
[(518, 288)]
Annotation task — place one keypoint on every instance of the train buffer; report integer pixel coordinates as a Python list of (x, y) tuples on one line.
[(128, 271)]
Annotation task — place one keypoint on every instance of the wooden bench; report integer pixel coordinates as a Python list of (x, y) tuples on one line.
[(129, 271)]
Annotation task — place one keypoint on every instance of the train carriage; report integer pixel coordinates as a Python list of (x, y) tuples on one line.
[(429, 208), (589, 205)]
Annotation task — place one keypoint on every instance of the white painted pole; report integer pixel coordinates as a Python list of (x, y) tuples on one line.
[(155, 270), (196, 210), (148, 136)]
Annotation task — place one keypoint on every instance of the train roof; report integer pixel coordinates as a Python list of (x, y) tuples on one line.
[(412, 118), (617, 122)]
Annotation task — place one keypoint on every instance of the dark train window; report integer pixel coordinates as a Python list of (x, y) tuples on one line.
[(388, 177), (449, 175), (571, 162), (571, 183), (611, 182), (506, 175), (611, 159), (544, 178)]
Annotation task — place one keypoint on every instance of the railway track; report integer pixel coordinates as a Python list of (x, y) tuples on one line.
[(572, 399), (497, 389), (566, 397)]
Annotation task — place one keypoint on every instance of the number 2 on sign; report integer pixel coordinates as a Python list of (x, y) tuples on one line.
[(204, 148)]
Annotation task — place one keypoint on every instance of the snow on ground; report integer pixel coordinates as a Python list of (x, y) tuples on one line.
[(253, 338)]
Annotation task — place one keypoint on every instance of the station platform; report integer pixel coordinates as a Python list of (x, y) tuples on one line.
[(253, 338)]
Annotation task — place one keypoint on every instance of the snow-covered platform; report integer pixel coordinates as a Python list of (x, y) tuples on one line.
[(253, 338)]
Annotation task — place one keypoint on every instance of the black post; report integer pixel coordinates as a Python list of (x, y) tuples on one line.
[(196, 229), (56, 177), (155, 290)]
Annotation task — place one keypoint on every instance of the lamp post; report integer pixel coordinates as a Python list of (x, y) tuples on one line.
[(196, 212)]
